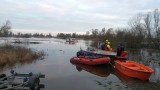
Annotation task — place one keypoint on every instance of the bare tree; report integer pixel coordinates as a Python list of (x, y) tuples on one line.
[(156, 28), (5, 29), (94, 32), (152, 27), (147, 24), (103, 31), (136, 24), (87, 33), (136, 32), (135, 21)]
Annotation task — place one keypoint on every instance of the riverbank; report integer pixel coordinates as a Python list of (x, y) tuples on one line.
[(10, 54)]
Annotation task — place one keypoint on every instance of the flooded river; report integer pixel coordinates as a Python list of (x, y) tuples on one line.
[(60, 74)]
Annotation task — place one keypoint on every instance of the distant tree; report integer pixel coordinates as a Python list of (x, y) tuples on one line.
[(36, 35), (156, 28), (5, 29), (63, 36), (152, 27), (137, 30), (49, 35), (27, 35), (109, 33), (19, 34), (87, 33), (42, 35), (120, 35), (73, 35), (102, 32), (147, 24), (94, 32)]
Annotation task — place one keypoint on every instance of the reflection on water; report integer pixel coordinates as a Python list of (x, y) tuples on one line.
[(150, 58), (135, 84), (156, 74), (60, 74), (19, 64), (71, 42), (101, 70), (127, 83)]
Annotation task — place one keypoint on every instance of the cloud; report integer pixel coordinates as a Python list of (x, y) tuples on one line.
[(51, 8), (143, 11), (21, 5), (71, 15)]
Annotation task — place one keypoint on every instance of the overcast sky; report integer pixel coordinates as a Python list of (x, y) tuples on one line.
[(52, 16)]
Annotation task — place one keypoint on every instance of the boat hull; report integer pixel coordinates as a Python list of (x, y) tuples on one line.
[(90, 61), (71, 40), (133, 69)]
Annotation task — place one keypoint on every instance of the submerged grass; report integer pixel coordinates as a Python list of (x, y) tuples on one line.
[(10, 54)]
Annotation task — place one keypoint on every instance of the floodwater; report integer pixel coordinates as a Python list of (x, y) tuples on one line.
[(61, 74)]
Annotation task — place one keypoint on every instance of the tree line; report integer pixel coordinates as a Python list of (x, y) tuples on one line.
[(143, 31), (29, 35), (5, 31)]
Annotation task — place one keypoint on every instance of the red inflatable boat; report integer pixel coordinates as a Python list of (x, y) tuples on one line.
[(90, 61)]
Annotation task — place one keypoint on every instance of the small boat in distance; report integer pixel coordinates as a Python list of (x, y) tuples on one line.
[(133, 69), (71, 40), (90, 61)]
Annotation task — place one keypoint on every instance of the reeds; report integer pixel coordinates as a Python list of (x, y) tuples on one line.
[(10, 54)]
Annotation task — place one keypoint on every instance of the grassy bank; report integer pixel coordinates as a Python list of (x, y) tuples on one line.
[(10, 54)]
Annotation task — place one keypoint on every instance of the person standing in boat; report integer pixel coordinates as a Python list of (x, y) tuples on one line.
[(109, 47), (106, 45), (120, 49), (103, 46)]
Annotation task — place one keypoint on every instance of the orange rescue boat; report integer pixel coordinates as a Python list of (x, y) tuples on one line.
[(133, 69), (90, 61)]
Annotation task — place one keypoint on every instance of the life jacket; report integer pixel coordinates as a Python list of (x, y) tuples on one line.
[(122, 56)]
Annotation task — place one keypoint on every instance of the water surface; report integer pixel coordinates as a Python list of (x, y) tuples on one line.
[(60, 74)]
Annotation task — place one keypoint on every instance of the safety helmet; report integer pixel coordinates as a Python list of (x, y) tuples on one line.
[(108, 42)]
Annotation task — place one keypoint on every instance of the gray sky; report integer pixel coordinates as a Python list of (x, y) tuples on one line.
[(52, 16)]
